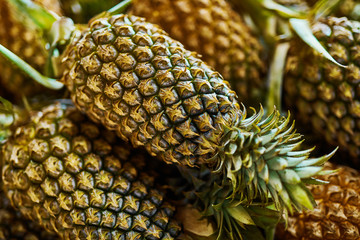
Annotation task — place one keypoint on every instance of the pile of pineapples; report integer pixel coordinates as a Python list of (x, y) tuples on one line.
[(174, 119)]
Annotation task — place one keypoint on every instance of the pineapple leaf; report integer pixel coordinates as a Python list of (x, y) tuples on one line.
[(323, 8), (276, 75), (303, 30), (29, 70), (282, 10), (42, 18), (314, 181), (300, 195), (240, 214)]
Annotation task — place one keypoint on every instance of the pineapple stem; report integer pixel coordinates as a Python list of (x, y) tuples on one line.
[(29, 70), (118, 8), (40, 16), (276, 76)]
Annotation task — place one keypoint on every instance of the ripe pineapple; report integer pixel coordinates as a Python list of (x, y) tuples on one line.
[(14, 227), (76, 179), (25, 40), (323, 94), (129, 75), (218, 33), (337, 213)]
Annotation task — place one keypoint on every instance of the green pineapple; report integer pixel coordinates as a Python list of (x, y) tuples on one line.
[(323, 94), (24, 39), (218, 33), (77, 180)]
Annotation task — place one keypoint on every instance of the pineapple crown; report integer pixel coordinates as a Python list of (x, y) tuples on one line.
[(262, 160)]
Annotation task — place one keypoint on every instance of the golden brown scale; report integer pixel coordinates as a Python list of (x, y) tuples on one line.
[(323, 94), (79, 180), (14, 227), (219, 34), (136, 80), (25, 41), (337, 213)]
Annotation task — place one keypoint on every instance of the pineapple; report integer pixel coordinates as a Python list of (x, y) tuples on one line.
[(14, 227), (323, 94), (76, 179), (337, 213), (24, 40), (218, 33), (132, 77), (129, 75)]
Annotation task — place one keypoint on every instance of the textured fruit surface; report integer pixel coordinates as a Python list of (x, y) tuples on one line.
[(136, 80), (218, 33), (76, 179), (25, 41), (337, 213), (14, 227), (129, 75), (323, 94)]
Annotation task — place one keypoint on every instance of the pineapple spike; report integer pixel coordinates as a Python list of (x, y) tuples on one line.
[(29, 70)]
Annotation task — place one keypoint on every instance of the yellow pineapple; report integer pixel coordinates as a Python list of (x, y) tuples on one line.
[(80, 181), (337, 213), (218, 34)]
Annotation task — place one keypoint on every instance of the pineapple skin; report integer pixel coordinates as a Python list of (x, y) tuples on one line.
[(80, 181), (14, 227), (337, 213), (322, 94), (219, 34), (25, 41), (134, 79)]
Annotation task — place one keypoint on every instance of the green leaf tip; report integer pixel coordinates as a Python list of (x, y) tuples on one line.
[(29, 70), (303, 30)]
